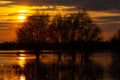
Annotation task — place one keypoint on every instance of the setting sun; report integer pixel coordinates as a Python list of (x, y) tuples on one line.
[(21, 18), (22, 15)]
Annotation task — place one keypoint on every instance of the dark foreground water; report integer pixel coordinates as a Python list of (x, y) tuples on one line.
[(101, 65)]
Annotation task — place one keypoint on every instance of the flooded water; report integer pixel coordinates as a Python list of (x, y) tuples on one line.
[(22, 65)]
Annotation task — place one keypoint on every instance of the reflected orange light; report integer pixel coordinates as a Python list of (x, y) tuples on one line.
[(22, 55), (104, 60), (21, 61), (22, 77), (22, 51), (22, 58)]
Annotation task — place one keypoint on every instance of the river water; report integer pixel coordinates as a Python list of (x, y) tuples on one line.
[(100, 65)]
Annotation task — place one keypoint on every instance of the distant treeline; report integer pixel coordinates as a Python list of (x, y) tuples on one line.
[(62, 46)]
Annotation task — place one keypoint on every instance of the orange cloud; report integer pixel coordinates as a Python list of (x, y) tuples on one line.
[(5, 2)]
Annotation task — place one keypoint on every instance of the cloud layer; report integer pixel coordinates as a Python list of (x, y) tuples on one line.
[(87, 4)]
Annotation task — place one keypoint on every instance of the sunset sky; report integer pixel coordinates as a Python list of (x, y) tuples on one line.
[(105, 13)]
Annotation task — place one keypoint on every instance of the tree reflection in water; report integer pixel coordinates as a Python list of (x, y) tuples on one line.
[(96, 66), (72, 67), (115, 67)]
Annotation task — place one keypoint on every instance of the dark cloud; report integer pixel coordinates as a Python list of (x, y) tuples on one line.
[(46, 2), (108, 23), (101, 4), (55, 8), (108, 18), (87, 4), (116, 11), (110, 27)]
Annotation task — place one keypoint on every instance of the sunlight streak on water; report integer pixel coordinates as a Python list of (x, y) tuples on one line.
[(21, 61), (104, 60), (12, 51), (22, 77), (21, 58)]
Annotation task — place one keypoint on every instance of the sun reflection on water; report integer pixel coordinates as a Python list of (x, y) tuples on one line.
[(22, 77), (21, 61)]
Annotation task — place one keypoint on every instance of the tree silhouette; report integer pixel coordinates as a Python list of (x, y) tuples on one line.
[(34, 29), (115, 43), (69, 28), (116, 37), (74, 27)]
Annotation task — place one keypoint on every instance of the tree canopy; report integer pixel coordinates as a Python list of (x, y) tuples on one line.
[(33, 29), (74, 27)]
